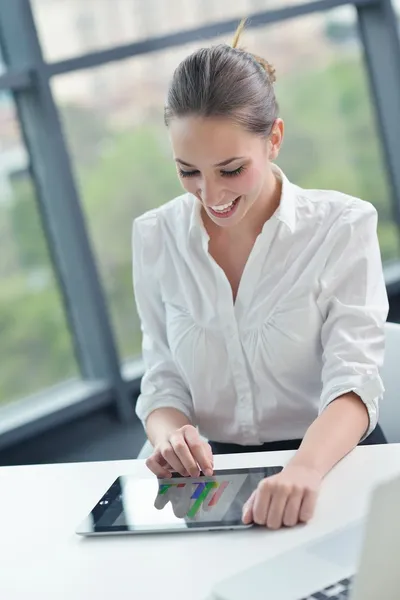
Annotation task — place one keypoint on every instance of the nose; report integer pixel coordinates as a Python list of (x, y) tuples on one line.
[(210, 193)]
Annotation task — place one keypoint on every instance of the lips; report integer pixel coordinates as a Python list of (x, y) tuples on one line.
[(224, 210), (222, 207)]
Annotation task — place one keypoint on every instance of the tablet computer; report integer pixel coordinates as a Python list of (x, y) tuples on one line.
[(180, 504)]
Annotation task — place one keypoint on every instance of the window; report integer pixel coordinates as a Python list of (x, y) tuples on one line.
[(35, 344), (112, 118), (331, 139), (71, 27), (122, 160)]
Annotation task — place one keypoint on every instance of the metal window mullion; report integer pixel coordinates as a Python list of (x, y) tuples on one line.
[(199, 34), (15, 80), (379, 34), (60, 207)]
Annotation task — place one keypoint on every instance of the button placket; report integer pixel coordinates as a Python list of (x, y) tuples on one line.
[(231, 315), (240, 376), (250, 279), (235, 352), (252, 271)]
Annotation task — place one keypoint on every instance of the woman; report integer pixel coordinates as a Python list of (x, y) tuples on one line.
[(262, 304)]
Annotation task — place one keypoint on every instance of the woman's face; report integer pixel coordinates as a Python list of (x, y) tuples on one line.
[(227, 168)]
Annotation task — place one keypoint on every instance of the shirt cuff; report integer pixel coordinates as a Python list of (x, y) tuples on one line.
[(146, 404), (369, 388)]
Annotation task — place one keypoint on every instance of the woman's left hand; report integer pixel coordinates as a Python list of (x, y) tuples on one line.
[(285, 499)]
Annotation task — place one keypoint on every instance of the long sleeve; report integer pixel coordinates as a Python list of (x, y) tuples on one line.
[(162, 386), (354, 306)]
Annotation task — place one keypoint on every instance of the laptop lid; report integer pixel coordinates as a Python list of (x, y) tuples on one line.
[(378, 574)]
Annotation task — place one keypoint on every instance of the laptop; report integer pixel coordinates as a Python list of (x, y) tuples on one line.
[(358, 562)]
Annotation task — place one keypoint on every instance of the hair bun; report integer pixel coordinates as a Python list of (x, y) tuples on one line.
[(268, 68)]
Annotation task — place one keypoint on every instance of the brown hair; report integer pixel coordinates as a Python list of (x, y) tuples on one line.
[(225, 81)]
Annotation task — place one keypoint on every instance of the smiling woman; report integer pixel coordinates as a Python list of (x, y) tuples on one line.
[(222, 210), (262, 303), (221, 132), (226, 187)]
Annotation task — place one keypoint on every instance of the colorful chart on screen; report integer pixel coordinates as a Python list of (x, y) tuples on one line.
[(201, 499)]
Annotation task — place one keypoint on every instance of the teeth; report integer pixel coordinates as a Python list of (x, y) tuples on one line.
[(222, 207)]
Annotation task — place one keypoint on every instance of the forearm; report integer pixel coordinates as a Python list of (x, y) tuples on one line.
[(162, 422), (333, 434)]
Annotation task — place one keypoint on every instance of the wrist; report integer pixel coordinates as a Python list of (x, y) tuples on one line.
[(299, 462), (164, 422)]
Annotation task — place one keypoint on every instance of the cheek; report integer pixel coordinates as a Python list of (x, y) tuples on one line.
[(250, 181), (189, 184)]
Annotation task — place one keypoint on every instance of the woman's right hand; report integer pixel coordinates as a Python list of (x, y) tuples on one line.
[(184, 452)]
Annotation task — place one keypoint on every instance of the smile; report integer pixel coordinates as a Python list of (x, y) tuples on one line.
[(224, 210)]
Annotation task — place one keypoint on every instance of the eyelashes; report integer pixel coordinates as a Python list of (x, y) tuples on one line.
[(234, 173), (187, 173)]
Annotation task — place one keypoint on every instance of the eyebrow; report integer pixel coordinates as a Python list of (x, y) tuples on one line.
[(221, 164)]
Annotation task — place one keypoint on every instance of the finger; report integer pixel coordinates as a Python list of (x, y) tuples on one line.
[(292, 511), (153, 463), (183, 453), (161, 500), (200, 450), (262, 503), (161, 461), (209, 460), (308, 506), (181, 505), (209, 453), (168, 453), (164, 463), (279, 498), (247, 514)]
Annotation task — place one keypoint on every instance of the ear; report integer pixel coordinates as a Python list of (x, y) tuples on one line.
[(276, 139)]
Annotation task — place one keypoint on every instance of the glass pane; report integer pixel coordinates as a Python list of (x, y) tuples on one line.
[(113, 119), (35, 344), (331, 137), (3, 67), (71, 27)]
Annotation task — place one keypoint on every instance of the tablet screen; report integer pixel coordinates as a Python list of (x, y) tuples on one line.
[(179, 503)]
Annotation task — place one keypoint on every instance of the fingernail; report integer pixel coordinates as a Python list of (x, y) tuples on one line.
[(208, 472)]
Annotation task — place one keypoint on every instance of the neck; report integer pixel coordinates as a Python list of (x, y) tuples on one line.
[(266, 204)]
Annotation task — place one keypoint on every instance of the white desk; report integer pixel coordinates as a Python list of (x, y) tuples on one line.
[(41, 557)]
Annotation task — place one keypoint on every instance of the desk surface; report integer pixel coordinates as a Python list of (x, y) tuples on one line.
[(41, 557)]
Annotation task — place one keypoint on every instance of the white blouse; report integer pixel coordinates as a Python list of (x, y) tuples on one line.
[(307, 325)]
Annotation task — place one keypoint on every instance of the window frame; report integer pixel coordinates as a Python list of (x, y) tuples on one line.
[(106, 381)]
